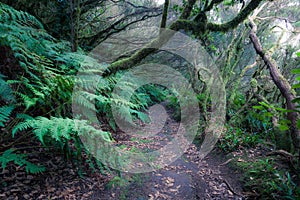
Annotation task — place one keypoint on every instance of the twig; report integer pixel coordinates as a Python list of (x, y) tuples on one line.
[(225, 163), (281, 153), (231, 189)]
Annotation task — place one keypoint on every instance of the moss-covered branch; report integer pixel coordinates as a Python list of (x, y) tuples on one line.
[(281, 83), (153, 46), (187, 9), (183, 23), (237, 20)]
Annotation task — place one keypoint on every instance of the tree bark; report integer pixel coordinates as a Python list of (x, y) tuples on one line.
[(75, 15), (281, 83), (164, 18)]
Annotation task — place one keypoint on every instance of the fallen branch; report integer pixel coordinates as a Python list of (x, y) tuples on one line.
[(281, 153), (225, 163), (231, 189)]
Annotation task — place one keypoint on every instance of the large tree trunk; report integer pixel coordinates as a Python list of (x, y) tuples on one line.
[(281, 83)]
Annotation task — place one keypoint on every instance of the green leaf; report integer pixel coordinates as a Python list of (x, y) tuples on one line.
[(20, 160), (283, 110), (298, 123), (5, 112), (34, 169), (296, 71), (296, 100), (283, 127), (112, 124), (268, 114), (228, 2), (265, 104), (296, 86), (258, 107)]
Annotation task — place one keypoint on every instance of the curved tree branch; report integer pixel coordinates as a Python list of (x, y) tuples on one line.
[(104, 34), (281, 83), (181, 24), (242, 15)]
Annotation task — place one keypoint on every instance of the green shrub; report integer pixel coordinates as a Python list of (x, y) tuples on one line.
[(235, 137), (266, 179)]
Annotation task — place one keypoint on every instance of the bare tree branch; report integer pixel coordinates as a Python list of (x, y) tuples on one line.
[(113, 28)]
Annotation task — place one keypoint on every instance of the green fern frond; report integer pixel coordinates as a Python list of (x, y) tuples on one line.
[(118, 101), (59, 129), (80, 99), (42, 58), (9, 15), (124, 113), (20, 160), (92, 81), (34, 169), (142, 116), (6, 93), (5, 112), (49, 75), (9, 156), (24, 116), (28, 101), (27, 124)]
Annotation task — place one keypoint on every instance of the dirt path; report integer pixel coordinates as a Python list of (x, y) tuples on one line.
[(186, 178)]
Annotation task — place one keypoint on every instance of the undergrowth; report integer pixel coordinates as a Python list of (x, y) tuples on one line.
[(43, 82), (265, 178)]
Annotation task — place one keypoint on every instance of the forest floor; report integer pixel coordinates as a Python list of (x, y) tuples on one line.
[(187, 178)]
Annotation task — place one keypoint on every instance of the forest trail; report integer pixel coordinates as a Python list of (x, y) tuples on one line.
[(183, 179), (187, 178)]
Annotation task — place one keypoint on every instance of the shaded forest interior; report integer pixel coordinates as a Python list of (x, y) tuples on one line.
[(149, 99)]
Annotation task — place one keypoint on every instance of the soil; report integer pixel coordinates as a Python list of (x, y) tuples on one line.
[(187, 178)]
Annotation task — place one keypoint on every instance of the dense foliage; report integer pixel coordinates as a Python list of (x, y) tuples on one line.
[(39, 83)]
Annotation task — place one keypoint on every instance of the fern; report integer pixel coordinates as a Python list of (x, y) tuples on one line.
[(42, 59), (34, 169), (20, 160), (61, 132), (6, 93), (50, 69), (49, 75), (5, 112), (59, 129), (45, 82)]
